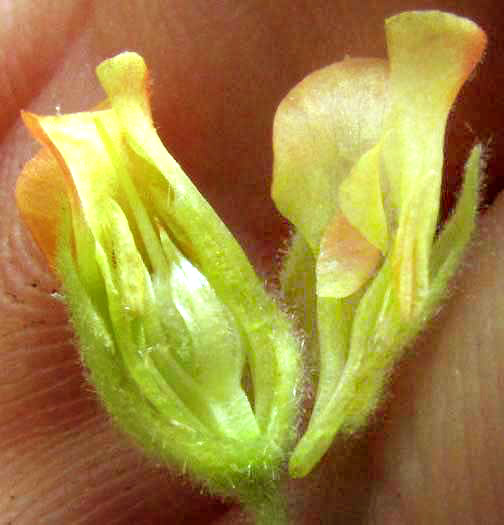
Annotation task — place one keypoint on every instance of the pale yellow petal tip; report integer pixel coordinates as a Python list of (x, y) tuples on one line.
[(126, 75), (469, 37), (128, 62), (435, 21), (346, 261)]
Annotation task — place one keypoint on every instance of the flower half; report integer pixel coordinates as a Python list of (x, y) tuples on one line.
[(169, 314), (364, 141)]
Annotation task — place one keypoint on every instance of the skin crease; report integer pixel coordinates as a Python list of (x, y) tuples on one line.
[(434, 454)]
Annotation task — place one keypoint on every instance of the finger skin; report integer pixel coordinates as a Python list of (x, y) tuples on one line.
[(34, 37), (438, 457), (219, 73)]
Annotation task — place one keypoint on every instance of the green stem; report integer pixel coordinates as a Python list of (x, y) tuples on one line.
[(271, 510), (334, 324)]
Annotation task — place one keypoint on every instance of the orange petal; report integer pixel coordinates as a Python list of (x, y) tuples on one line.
[(75, 143), (346, 261), (41, 197)]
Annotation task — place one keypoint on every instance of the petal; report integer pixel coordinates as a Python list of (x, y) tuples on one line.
[(346, 261), (125, 80), (360, 199), (321, 129), (431, 55), (41, 197), (184, 212), (128, 269), (76, 144)]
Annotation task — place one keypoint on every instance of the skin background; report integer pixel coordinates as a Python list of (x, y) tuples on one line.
[(434, 454)]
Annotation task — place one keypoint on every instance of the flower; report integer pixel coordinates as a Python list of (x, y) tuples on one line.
[(363, 141), (168, 312)]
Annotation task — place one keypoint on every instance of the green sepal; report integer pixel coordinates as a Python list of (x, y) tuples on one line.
[(450, 246)]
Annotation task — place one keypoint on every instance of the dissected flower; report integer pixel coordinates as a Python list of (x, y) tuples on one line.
[(172, 321)]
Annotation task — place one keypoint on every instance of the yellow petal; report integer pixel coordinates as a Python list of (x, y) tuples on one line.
[(346, 261), (125, 79), (75, 143), (360, 199), (129, 271), (321, 129), (431, 55)]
